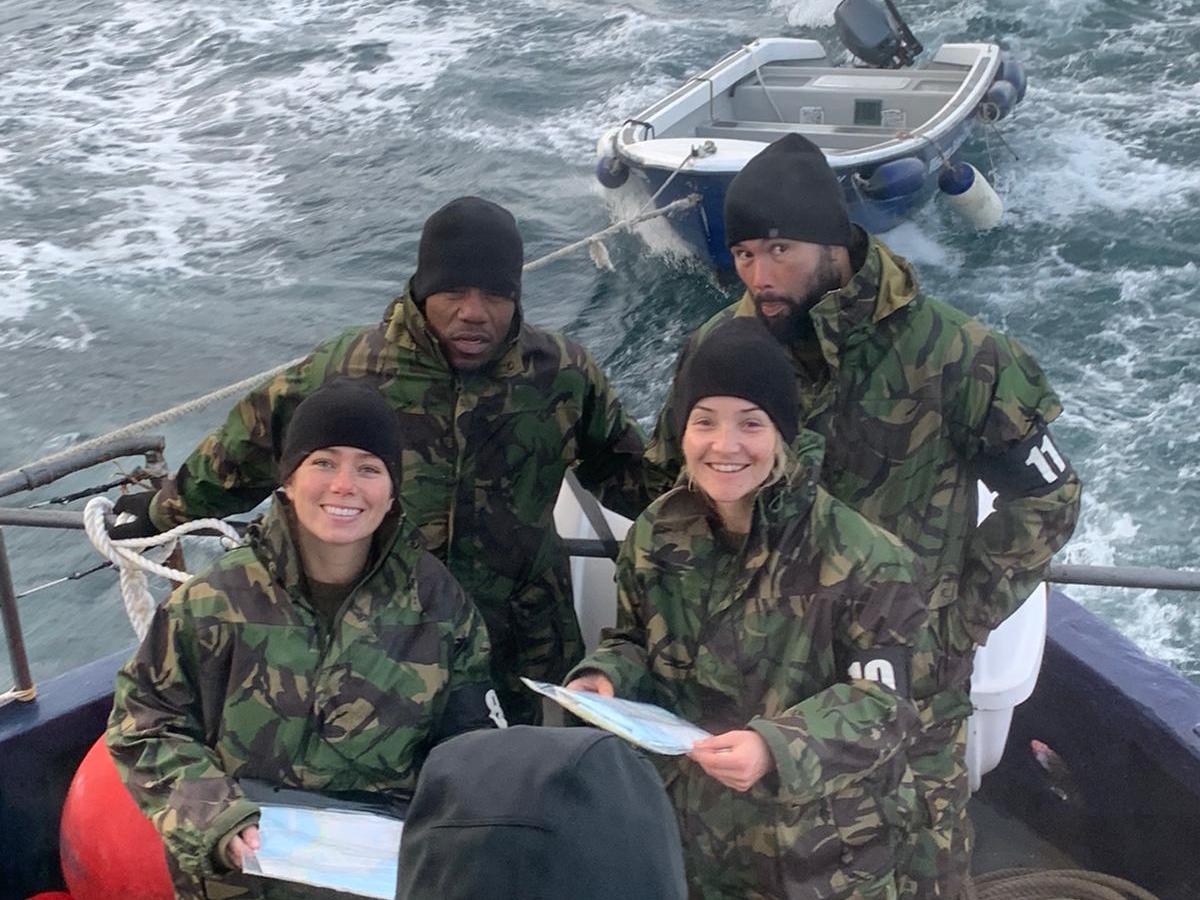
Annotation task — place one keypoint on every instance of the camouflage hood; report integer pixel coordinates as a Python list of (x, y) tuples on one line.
[(272, 538), (782, 504), (404, 323)]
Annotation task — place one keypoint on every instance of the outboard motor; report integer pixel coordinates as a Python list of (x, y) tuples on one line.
[(876, 34)]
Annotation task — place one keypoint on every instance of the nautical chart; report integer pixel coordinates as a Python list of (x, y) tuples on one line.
[(643, 724), (354, 852)]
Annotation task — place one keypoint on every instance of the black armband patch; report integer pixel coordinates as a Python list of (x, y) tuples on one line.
[(1029, 469), (469, 707), (887, 665)]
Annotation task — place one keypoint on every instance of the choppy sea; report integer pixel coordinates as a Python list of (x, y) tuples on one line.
[(193, 192)]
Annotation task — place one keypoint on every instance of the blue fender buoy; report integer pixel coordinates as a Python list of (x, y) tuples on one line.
[(969, 193), (611, 172), (1013, 72), (897, 178), (999, 101)]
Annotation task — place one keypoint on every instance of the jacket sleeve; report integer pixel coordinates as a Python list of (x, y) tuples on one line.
[(853, 729), (611, 450), (234, 468), (1007, 406), (471, 701), (622, 654), (156, 735)]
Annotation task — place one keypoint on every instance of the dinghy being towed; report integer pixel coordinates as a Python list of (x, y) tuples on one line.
[(889, 130)]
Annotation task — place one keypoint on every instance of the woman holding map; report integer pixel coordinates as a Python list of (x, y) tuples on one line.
[(755, 605), (329, 654)]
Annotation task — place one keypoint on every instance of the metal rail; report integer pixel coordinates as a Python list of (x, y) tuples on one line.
[(1125, 577), (1105, 576), (1144, 577), (37, 474), (13, 635)]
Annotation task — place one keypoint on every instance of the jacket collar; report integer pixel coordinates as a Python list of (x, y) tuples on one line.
[(406, 326), (779, 509), (272, 538), (883, 284)]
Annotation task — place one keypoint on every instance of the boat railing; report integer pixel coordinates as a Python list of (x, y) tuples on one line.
[(40, 474)]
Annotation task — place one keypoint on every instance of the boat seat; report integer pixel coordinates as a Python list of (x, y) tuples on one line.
[(916, 79), (827, 137), (837, 97)]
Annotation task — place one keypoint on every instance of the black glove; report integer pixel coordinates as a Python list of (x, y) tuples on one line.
[(135, 505)]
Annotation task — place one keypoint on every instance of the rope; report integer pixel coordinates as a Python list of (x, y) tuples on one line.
[(767, 93), (708, 148), (133, 566), (1052, 884), (19, 696), (241, 387), (682, 203), (237, 388)]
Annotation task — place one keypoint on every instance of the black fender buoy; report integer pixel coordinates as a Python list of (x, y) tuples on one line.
[(611, 172)]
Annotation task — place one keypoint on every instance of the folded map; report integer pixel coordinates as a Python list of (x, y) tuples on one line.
[(644, 724), (350, 851)]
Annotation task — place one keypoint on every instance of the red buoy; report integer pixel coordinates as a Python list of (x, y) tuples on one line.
[(107, 848), (50, 895)]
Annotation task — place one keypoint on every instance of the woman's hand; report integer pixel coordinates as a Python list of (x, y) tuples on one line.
[(737, 759), (246, 840), (593, 683)]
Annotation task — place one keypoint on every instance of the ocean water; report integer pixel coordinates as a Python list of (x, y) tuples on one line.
[(191, 193)]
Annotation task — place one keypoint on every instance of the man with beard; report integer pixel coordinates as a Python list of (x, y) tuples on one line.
[(916, 402), (493, 412)]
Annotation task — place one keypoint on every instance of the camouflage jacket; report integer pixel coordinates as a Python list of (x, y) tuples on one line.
[(238, 678), (760, 638), (917, 396), (484, 457)]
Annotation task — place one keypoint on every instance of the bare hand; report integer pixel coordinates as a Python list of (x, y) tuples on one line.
[(593, 683), (247, 840), (737, 759)]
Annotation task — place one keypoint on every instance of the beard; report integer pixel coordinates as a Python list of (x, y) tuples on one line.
[(795, 325)]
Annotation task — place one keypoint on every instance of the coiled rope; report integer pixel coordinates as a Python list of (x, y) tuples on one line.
[(133, 566), (1052, 884)]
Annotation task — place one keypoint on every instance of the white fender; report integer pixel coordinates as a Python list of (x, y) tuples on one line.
[(977, 202)]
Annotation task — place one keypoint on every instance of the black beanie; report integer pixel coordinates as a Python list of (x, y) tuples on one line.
[(540, 813), (469, 242), (740, 358), (787, 191), (344, 412)]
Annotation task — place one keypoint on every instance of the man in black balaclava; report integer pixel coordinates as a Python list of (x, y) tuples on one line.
[(493, 411), (917, 403)]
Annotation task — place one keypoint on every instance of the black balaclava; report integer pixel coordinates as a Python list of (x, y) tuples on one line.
[(740, 358), (344, 412), (787, 191), (469, 242)]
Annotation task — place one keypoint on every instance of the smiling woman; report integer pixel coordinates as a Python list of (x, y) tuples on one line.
[(330, 654), (754, 604), (335, 477)]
